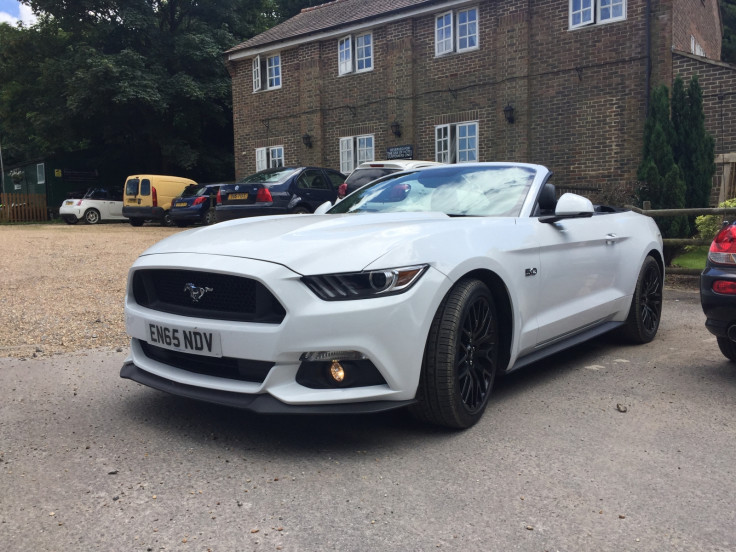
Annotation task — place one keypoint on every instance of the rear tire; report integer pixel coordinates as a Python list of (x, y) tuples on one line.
[(646, 305), (209, 217), (71, 219), (136, 222), (167, 220), (91, 216), (728, 348), (460, 358)]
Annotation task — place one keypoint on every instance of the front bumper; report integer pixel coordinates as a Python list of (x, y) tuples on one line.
[(390, 331), (719, 309)]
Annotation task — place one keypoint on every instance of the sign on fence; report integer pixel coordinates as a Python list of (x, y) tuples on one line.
[(23, 208)]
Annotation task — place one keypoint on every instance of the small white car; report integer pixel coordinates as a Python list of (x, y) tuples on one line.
[(371, 170), (416, 290), (97, 205)]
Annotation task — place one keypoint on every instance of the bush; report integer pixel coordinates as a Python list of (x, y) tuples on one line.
[(709, 225)]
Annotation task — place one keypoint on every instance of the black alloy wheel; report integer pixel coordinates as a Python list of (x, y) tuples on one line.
[(460, 359), (646, 305)]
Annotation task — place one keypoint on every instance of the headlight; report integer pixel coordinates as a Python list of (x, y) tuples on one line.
[(363, 285)]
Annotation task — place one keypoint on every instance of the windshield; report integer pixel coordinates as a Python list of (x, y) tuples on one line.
[(456, 191), (274, 175)]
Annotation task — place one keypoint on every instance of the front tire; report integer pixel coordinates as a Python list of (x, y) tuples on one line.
[(646, 305), (91, 216), (136, 222), (460, 358), (728, 348)]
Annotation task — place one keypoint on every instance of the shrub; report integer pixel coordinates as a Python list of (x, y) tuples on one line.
[(709, 225)]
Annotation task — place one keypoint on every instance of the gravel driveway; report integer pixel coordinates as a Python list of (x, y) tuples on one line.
[(63, 286)]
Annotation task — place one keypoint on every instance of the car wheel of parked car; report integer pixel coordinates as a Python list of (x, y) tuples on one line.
[(209, 217), (301, 210), (91, 216), (727, 347), (71, 219), (167, 220), (136, 222), (646, 305), (460, 358)]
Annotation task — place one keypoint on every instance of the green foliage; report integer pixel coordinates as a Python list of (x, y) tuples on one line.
[(141, 85), (728, 15), (677, 164), (709, 225)]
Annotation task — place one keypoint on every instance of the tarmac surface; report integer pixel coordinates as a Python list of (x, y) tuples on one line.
[(603, 447)]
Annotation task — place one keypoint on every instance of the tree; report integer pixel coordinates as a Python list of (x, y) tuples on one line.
[(728, 15), (139, 84), (677, 164)]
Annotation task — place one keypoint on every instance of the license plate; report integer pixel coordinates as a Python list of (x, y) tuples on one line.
[(68, 203), (186, 340), (180, 204), (237, 196)]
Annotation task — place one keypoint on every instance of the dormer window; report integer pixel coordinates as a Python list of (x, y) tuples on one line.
[(355, 53)]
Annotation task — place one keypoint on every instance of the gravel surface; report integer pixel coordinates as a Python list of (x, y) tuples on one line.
[(63, 286)]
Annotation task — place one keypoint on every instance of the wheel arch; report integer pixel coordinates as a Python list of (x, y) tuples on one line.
[(657, 256), (502, 299)]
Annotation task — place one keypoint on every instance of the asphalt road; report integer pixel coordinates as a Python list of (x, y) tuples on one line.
[(92, 462)]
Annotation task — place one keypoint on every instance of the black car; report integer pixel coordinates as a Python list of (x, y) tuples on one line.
[(718, 290), (195, 204), (278, 191)]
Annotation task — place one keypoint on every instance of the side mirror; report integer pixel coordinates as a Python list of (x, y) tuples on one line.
[(322, 209), (570, 206)]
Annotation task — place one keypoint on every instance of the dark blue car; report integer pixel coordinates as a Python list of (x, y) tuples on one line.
[(277, 191), (718, 290), (195, 205)]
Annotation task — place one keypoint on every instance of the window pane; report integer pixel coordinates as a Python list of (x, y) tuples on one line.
[(443, 34), (274, 71), (364, 52), (346, 155), (365, 149), (467, 29), (442, 144), (257, 73), (467, 143), (345, 56), (277, 156)]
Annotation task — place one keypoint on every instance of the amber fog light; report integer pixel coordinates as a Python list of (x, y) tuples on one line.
[(337, 371)]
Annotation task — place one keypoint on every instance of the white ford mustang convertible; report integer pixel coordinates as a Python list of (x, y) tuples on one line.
[(416, 290)]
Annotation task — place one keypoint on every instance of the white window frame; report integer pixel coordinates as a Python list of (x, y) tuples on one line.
[(351, 52), (355, 150), (273, 72), (599, 12), (442, 42), (256, 73), (345, 55), (451, 147), (269, 157), (360, 53), (261, 159), (463, 30), (442, 143), (449, 33), (40, 173)]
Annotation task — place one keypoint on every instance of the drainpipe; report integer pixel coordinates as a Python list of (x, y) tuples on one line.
[(649, 55)]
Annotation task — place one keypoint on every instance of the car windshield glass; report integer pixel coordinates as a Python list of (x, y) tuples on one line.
[(96, 193), (359, 177), (278, 175), (456, 191), (192, 190)]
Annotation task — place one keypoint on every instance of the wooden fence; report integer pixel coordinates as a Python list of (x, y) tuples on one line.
[(23, 208), (727, 212)]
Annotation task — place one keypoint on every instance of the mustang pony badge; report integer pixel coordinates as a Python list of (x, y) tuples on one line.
[(196, 292)]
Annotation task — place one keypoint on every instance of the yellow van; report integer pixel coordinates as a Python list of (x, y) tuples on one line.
[(148, 197)]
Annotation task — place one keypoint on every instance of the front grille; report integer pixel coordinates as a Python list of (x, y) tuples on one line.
[(206, 295), (220, 367)]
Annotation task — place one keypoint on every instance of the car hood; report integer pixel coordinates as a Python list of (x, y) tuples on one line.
[(308, 244)]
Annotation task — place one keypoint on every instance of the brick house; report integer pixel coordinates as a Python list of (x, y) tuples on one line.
[(562, 83)]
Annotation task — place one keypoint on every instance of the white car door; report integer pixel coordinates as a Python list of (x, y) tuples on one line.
[(579, 272)]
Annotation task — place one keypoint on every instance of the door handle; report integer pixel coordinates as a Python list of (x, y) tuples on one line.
[(611, 239)]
